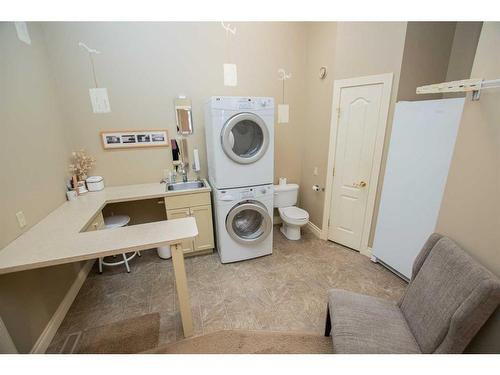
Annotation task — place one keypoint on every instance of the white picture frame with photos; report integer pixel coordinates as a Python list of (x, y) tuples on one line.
[(121, 139)]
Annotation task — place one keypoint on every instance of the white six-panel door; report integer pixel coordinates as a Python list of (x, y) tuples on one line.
[(359, 119)]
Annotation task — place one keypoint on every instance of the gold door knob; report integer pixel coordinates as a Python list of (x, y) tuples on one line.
[(362, 184)]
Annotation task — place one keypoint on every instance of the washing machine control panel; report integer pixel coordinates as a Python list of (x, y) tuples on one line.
[(245, 193)]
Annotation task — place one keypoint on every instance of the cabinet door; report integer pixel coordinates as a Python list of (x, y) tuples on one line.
[(180, 213), (205, 238)]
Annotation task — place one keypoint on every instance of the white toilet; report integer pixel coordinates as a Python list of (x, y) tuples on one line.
[(285, 198)]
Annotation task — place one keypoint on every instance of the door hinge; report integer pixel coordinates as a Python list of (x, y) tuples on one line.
[(338, 112), (333, 171)]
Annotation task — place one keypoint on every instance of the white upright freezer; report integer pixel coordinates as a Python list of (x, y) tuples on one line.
[(420, 151)]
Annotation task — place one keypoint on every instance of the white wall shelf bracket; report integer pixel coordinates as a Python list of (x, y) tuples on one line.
[(474, 85)]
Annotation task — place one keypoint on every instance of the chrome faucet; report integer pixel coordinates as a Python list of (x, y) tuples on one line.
[(170, 179), (182, 169)]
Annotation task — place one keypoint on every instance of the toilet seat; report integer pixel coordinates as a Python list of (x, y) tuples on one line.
[(294, 215)]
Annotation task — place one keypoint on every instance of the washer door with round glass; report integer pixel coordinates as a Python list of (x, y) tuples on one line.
[(249, 222), (245, 138)]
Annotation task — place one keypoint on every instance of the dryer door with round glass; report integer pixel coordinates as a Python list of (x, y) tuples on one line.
[(249, 222), (245, 138)]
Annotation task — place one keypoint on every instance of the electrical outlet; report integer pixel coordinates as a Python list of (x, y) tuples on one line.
[(21, 219), (315, 171)]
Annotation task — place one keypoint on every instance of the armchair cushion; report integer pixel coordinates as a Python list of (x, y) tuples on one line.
[(363, 324)]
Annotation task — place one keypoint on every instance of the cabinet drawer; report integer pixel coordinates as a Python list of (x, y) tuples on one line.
[(187, 200)]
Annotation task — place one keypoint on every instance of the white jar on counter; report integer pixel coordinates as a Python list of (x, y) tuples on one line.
[(95, 183)]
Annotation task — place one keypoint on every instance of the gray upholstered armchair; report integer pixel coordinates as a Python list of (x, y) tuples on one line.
[(449, 298)]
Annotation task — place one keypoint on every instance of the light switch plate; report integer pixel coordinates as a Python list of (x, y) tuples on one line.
[(22, 32), (100, 101), (230, 75), (283, 113), (315, 171), (21, 219)]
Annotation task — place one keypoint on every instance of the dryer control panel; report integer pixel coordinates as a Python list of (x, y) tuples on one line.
[(241, 102)]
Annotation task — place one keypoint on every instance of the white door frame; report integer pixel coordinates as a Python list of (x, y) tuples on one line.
[(386, 80)]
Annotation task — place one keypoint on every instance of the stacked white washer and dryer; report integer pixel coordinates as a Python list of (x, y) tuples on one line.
[(240, 150)]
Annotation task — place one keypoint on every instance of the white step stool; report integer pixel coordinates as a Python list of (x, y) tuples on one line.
[(117, 221)]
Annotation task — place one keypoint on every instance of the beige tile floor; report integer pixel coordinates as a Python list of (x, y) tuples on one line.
[(286, 291)]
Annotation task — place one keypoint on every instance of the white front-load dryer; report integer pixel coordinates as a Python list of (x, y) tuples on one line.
[(244, 222), (239, 134)]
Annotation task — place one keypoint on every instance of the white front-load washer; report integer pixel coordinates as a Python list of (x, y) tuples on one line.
[(239, 134), (244, 222)]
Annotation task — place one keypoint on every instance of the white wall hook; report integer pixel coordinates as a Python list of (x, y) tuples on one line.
[(283, 75), (228, 28), (89, 50)]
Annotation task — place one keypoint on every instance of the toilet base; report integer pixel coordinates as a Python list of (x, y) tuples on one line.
[(291, 232)]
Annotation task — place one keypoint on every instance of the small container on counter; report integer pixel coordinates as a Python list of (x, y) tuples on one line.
[(95, 183), (71, 195)]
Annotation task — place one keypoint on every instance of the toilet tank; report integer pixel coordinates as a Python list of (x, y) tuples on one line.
[(285, 195)]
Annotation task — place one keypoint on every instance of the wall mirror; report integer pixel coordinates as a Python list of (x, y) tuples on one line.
[(183, 116)]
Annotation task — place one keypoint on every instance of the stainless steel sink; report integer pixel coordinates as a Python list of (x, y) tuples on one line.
[(176, 186)]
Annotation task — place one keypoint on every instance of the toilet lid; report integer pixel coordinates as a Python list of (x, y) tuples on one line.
[(295, 213), (116, 221)]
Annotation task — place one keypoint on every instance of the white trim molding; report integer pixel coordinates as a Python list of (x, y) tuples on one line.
[(314, 228), (52, 326), (366, 252), (386, 81)]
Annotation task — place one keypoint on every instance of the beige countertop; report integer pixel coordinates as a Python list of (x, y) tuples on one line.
[(58, 238)]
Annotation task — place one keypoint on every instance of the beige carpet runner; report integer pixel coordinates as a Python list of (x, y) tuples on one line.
[(249, 342)]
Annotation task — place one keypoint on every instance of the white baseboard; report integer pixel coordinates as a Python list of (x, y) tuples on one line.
[(51, 328), (314, 228), (367, 252), (277, 220)]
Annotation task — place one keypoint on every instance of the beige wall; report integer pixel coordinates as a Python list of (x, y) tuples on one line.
[(145, 66), (426, 55), (320, 51), (356, 49), (34, 161), (470, 211), (463, 50)]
